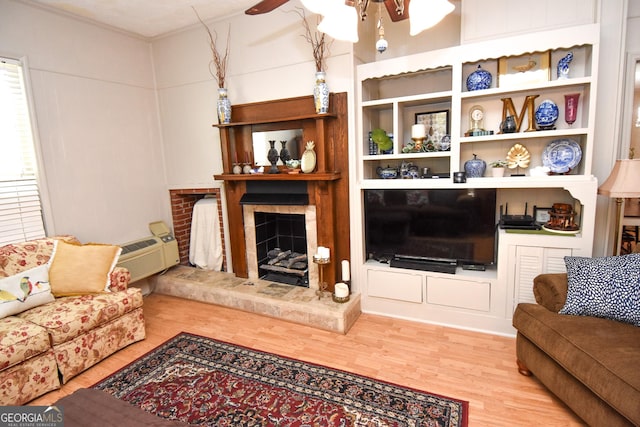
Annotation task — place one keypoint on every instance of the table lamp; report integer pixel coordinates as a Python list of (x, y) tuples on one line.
[(623, 182)]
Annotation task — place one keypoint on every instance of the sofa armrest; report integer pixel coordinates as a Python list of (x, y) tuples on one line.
[(550, 290), (120, 278)]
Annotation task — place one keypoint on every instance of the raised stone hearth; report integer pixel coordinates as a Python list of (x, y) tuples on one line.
[(293, 303)]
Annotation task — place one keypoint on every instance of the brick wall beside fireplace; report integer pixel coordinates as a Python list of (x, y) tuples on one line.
[(182, 202)]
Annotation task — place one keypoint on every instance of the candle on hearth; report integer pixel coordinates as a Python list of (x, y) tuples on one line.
[(418, 131), (323, 252), (341, 290), (346, 275)]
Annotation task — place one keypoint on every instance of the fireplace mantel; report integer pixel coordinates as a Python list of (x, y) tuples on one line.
[(284, 176), (327, 186)]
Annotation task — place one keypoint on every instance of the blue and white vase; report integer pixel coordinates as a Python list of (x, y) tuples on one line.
[(475, 167), (479, 79), (546, 114), (563, 66), (321, 93), (224, 107)]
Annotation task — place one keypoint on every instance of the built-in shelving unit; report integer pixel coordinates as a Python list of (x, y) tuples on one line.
[(392, 92)]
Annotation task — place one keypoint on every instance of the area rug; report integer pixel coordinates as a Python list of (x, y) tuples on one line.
[(207, 382)]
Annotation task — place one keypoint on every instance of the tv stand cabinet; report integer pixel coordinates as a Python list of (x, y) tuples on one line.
[(393, 93)]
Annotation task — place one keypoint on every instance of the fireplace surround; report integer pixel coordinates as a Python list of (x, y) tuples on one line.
[(309, 213), (327, 187)]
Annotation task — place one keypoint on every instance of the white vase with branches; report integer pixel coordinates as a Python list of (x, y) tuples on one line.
[(320, 48), (219, 61)]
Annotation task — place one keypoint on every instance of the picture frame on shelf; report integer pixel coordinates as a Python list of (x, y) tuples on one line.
[(541, 215), (436, 123), (524, 69)]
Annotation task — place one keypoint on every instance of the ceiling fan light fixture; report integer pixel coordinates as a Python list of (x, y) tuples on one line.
[(341, 23), (424, 14)]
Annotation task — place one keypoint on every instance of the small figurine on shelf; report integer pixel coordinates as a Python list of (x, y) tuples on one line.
[(563, 66)]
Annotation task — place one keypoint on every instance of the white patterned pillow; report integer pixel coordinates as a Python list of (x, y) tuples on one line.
[(607, 287), (25, 290)]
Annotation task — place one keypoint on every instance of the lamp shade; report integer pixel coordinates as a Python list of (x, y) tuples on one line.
[(424, 14), (340, 22), (624, 180)]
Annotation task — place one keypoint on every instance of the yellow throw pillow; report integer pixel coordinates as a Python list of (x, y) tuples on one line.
[(82, 269)]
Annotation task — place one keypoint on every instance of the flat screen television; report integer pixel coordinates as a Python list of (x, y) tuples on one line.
[(452, 224)]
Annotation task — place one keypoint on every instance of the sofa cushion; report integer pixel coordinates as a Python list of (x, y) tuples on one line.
[(18, 257), (82, 269), (20, 340), (69, 317), (607, 287), (25, 290), (603, 354)]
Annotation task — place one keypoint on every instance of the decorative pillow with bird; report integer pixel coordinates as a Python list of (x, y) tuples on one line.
[(25, 290)]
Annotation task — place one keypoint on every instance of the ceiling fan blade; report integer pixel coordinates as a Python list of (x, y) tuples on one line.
[(393, 14), (265, 6)]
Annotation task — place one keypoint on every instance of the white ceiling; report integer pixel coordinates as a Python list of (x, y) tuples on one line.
[(147, 18)]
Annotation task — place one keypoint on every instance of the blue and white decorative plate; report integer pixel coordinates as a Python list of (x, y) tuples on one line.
[(562, 155), (546, 114)]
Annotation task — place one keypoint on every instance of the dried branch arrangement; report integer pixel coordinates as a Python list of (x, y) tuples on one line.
[(219, 60), (317, 41)]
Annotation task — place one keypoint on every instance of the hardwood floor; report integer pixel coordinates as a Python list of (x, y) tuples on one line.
[(479, 368)]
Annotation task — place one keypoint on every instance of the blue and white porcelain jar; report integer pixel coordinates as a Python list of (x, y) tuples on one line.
[(479, 79), (546, 114), (475, 167)]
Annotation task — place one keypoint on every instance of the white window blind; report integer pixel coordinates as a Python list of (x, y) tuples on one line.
[(20, 207)]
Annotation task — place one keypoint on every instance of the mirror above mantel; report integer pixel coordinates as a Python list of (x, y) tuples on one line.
[(260, 140)]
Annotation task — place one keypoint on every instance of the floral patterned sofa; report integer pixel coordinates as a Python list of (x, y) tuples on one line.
[(47, 345)]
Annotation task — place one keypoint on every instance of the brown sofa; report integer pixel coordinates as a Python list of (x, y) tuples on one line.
[(592, 364)]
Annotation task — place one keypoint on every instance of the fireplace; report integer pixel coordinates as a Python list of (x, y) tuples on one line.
[(325, 202), (261, 236), (281, 248)]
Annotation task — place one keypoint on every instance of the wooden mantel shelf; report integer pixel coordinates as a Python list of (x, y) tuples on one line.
[(275, 120), (327, 176)]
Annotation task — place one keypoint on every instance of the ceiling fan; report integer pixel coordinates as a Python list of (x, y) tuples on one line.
[(398, 9)]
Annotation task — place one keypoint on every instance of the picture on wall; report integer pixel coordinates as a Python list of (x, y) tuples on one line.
[(436, 123), (525, 69)]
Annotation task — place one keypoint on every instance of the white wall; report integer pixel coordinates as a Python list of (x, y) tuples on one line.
[(269, 59), (97, 119)]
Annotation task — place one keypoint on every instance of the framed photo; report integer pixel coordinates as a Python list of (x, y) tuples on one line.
[(525, 69), (436, 123), (541, 215)]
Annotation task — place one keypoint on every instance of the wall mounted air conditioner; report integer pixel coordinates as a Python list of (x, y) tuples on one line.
[(150, 255)]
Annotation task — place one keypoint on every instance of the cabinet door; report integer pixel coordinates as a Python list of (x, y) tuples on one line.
[(532, 261), (393, 285)]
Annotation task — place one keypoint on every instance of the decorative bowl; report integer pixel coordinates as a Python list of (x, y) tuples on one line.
[(293, 164)]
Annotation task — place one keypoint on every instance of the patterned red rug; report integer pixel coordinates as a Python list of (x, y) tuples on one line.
[(207, 382)]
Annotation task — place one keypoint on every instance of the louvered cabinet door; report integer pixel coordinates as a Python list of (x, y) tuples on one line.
[(531, 261)]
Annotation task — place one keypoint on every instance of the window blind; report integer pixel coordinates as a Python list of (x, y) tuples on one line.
[(20, 207)]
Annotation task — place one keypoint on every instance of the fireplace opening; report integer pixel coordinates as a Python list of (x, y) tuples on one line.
[(281, 247)]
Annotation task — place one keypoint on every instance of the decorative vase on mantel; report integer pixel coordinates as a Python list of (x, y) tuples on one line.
[(321, 93), (272, 156), (224, 107), (284, 152)]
